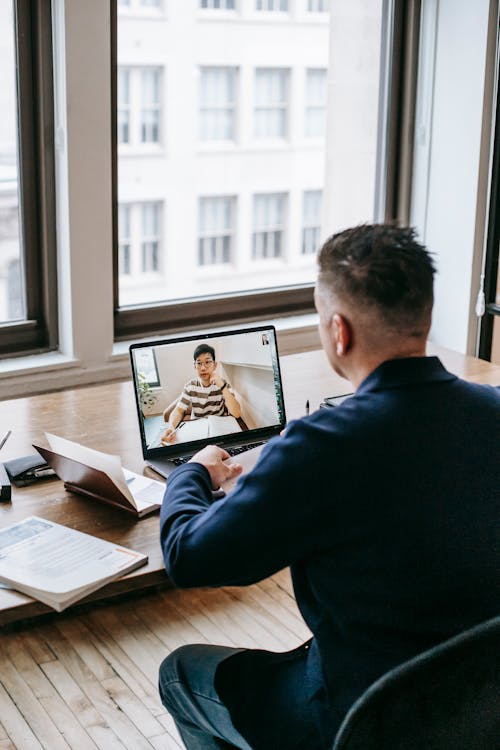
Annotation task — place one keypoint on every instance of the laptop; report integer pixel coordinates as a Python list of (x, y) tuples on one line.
[(242, 406)]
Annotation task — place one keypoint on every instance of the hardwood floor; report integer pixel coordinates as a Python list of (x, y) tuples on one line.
[(89, 680)]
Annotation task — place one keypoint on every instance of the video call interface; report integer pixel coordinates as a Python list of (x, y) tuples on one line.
[(169, 381)]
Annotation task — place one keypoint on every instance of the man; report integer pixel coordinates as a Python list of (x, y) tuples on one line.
[(204, 395), (385, 507)]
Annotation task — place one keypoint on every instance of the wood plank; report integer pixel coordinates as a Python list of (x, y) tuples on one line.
[(76, 634), (15, 725), (271, 616), (32, 710), (169, 626), (82, 708), (46, 694), (124, 666), (139, 652), (166, 742), (132, 707)]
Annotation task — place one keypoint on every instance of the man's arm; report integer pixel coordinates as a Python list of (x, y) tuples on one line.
[(230, 400), (270, 520)]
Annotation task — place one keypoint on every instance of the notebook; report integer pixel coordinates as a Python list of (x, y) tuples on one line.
[(230, 394)]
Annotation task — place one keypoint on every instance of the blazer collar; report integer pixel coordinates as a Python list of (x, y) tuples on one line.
[(397, 373)]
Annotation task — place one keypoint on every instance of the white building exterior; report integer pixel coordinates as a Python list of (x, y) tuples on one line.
[(221, 122)]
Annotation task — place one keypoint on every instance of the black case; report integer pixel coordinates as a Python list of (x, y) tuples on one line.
[(25, 470)]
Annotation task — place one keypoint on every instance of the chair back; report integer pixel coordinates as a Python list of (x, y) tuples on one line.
[(447, 698)]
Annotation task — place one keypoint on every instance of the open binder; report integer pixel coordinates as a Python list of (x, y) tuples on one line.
[(79, 469)]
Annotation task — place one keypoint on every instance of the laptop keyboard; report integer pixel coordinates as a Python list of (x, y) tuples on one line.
[(232, 452)]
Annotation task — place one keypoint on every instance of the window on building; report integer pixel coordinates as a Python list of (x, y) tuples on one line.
[(139, 105), (216, 230), (28, 313), (268, 226), (311, 221), (271, 94), (315, 112), (150, 242), (217, 96), (318, 6), (140, 231), (140, 6), (218, 4), (124, 245), (123, 106), (150, 109), (276, 5)]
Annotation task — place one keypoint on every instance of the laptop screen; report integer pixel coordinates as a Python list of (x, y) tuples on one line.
[(222, 388)]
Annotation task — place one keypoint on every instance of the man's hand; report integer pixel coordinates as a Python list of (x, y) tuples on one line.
[(213, 459), (216, 379), (168, 436)]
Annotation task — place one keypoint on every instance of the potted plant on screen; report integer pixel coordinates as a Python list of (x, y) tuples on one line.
[(147, 396)]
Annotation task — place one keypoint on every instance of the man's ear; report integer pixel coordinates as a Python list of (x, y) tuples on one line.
[(342, 334)]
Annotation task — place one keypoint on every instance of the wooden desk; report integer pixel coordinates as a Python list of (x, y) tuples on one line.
[(103, 417)]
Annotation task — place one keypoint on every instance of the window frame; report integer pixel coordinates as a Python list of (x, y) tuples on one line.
[(35, 101), (240, 307), (491, 262)]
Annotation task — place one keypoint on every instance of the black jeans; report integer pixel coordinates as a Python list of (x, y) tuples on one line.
[(263, 692)]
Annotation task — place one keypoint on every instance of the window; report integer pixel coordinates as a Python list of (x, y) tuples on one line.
[(311, 221), (217, 103), (123, 106), (271, 89), (139, 105), (218, 4), (150, 110), (150, 259), (315, 103), (276, 5), (234, 174), (268, 229), (125, 240), (139, 230), (147, 367), (318, 6), (140, 6), (215, 220), (28, 313)]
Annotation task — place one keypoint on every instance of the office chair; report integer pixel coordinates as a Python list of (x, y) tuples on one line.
[(447, 698)]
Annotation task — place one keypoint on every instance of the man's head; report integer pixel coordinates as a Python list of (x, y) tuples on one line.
[(204, 362), (374, 292)]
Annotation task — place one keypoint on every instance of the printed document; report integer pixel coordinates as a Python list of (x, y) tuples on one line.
[(59, 565)]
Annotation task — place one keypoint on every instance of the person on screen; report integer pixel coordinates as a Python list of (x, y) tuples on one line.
[(383, 507), (207, 394)]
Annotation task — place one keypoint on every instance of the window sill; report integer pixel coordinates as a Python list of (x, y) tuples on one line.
[(54, 371)]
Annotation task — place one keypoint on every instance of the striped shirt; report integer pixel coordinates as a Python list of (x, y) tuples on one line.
[(203, 400)]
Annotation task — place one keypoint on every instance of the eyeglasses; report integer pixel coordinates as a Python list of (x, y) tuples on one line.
[(207, 363)]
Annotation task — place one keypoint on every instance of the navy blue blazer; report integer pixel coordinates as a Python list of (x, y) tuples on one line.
[(385, 507)]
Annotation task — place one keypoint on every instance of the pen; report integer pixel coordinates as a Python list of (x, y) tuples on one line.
[(5, 438), (307, 408), (174, 432)]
